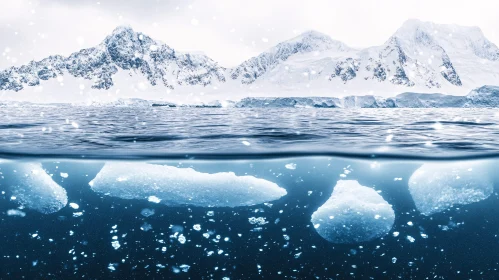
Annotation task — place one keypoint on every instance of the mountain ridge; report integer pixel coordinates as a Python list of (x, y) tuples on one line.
[(421, 56)]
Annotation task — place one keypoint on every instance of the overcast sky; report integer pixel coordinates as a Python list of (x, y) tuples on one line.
[(229, 31)]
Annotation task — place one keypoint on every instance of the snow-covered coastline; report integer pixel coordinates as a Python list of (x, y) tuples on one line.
[(483, 97)]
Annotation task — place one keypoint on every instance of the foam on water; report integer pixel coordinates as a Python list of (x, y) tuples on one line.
[(32, 187), (353, 213), (436, 187), (183, 186)]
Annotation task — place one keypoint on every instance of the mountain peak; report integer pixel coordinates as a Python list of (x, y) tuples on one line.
[(453, 38), (123, 29), (317, 41), (313, 34)]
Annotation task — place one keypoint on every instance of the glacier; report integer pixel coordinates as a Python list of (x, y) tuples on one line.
[(485, 96), (482, 97), (30, 186), (354, 213), (436, 187), (174, 186)]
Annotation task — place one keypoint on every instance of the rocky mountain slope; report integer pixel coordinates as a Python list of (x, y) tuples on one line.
[(123, 50)]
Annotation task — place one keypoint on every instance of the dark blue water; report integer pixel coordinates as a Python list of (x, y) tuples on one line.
[(171, 130), (273, 239)]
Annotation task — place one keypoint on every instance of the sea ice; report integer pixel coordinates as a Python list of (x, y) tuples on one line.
[(33, 188), (436, 187), (353, 213), (183, 186)]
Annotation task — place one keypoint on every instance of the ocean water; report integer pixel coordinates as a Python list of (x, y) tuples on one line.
[(159, 193)]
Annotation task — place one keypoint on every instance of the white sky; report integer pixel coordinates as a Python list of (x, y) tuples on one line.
[(229, 31)]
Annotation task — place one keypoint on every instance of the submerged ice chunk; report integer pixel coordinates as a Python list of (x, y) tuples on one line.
[(183, 186), (353, 213), (15, 212), (33, 188), (436, 187)]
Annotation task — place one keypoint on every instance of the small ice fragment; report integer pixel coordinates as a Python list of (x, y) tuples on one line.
[(146, 212), (146, 227), (74, 205), (64, 175), (246, 143), (257, 221), (154, 199), (77, 214), (112, 266), (396, 233), (181, 239), (197, 227), (410, 238), (291, 166), (116, 244), (15, 212)]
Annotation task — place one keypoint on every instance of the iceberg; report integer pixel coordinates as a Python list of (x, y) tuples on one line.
[(174, 186), (33, 188), (436, 187), (354, 213)]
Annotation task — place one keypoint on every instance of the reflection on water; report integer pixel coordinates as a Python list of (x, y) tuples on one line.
[(300, 218)]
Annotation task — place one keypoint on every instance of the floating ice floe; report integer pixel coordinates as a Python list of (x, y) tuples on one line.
[(436, 187), (182, 186), (33, 188), (353, 213)]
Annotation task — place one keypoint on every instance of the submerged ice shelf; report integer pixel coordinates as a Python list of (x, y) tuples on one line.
[(183, 186), (33, 188), (436, 187), (354, 213)]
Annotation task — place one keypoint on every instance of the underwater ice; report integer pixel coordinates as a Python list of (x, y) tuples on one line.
[(33, 188), (183, 186), (436, 187), (353, 213)]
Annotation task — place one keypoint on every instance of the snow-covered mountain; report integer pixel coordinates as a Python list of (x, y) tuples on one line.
[(124, 50), (308, 42), (420, 57)]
